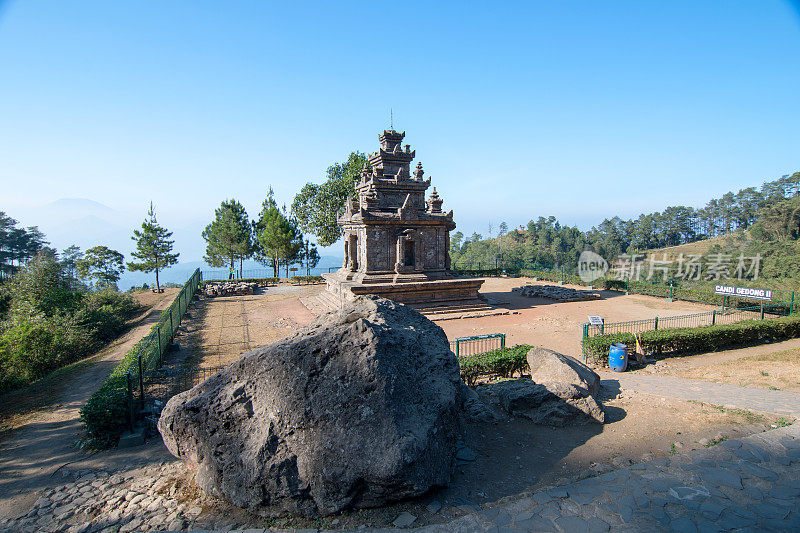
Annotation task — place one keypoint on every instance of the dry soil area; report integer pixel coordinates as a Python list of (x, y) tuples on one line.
[(769, 366), (558, 326)]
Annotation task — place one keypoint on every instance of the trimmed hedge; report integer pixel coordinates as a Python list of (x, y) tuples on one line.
[(264, 282), (700, 339), (503, 362), (306, 280)]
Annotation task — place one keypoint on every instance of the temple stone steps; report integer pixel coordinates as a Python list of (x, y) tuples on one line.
[(462, 306)]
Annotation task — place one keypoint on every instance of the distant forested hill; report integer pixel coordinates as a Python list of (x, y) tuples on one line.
[(762, 220)]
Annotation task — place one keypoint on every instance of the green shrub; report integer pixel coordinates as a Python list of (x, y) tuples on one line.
[(503, 362), (700, 339), (596, 348), (106, 412), (615, 285), (104, 314), (32, 348), (306, 280)]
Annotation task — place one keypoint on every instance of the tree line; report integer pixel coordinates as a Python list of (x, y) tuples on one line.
[(273, 238), (771, 211)]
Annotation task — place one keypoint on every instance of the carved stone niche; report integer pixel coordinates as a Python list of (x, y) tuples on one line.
[(409, 252), (351, 252)]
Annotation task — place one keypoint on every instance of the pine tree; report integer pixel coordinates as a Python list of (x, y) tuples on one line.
[(153, 247), (229, 237), (280, 242)]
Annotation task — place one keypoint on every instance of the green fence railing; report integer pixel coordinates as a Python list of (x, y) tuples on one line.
[(709, 318), (119, 402), (478, 344)]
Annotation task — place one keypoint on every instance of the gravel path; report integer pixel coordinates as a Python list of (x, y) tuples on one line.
[(763, 400)]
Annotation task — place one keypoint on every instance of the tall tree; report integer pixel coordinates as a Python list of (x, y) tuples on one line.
[(103, 265), (69, 260), (310, 256), (316, 207), (280, 242), (228, 237), (153, 247)]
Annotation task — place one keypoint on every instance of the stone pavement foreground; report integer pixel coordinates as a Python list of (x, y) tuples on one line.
[(752, 484)]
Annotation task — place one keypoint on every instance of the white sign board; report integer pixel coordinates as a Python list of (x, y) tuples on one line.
[(743, 292), (595, 320)]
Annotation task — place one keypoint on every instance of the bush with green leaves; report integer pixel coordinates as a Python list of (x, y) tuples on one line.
[(48, 324), (503, 363), (664, 342), (306, 280), (106, 411)]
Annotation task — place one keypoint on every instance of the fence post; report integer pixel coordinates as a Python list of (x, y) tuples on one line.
[(141, 382), (130, 400), (713, 317), (457, 343), (502, 340), (171, 326), (160, 353), (656, 325), (585, 331), (791, 305), (671, 289), (762, 309)]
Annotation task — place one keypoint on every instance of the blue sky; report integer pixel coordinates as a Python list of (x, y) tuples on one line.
[(582, 110)]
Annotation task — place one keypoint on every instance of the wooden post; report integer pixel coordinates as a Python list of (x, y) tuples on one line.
[(656, 324), (713, 317)]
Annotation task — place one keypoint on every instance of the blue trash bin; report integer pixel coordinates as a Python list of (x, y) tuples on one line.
[(618, 357)]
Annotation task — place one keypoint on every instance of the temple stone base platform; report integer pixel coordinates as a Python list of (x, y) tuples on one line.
[(436, 299)]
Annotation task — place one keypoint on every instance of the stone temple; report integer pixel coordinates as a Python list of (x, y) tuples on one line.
[(397, 242)]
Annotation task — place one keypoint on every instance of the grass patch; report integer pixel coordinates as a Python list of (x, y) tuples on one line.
[(749, 416)]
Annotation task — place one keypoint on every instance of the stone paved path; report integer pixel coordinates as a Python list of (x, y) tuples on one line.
[(752, 484), (763, 400)]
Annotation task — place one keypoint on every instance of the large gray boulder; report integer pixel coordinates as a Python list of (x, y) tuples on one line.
[(552, 404), (356, 409), (548, 366)]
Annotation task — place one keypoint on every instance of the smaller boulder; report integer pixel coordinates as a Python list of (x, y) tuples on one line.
[(473, 408), (552, 404), (548, 366)]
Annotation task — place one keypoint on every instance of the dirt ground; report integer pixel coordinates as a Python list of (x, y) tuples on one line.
[(767, 366), (513, 457), (558, 326), (223, 328), (518, 456)]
